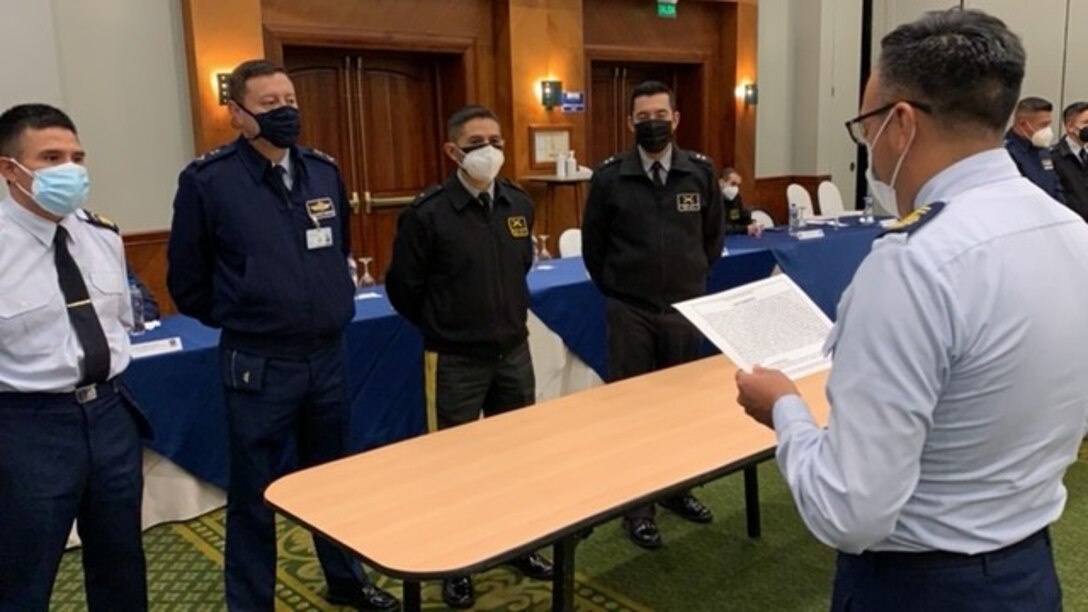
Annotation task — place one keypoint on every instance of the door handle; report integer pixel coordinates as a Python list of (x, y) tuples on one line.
[(372, 203), (354, 202)]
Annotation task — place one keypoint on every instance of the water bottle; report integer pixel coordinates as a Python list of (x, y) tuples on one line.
[(867, 214), (795, 218), (137, 296)]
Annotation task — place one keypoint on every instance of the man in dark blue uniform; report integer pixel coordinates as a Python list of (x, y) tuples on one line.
[(652, 228), (259, 248), (1028, 142), (1071, 158), (460, 258)]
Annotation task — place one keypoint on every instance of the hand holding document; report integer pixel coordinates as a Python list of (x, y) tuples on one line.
[(771, 323)]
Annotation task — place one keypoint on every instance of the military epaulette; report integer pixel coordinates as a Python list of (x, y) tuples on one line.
[(319, 154), (611, 161), (915, 220), (100, 221), (699, 157), (511, 184), (427, 194), (213, 155)]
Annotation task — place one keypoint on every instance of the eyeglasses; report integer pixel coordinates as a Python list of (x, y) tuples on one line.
[(856, 128)]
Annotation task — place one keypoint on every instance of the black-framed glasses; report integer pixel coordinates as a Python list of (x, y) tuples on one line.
[(855, 128)]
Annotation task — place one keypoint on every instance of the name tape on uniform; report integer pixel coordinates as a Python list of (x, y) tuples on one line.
[(155, 347)]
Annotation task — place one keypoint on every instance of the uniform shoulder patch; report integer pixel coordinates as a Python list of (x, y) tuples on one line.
[(915, 220), (100, 221), (213, 155), (427, 194), (610, 161), (701, 159), (511, 184), (319, 154)]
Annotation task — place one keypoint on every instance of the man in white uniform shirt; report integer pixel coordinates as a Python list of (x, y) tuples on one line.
[(69, 436), (957, 400)]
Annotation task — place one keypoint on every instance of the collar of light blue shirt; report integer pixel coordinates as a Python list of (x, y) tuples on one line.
[(647, 161), (989, 166), (475, 193), (42, 229)]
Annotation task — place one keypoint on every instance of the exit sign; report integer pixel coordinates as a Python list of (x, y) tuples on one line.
[(666, 9)]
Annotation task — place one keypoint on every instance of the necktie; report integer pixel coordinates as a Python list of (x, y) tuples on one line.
[(657, 170), (96, 350), (485, 200), (281, 172), (1084, 157)]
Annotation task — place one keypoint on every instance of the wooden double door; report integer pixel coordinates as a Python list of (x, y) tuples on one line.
[(611, 83), (380, 115)]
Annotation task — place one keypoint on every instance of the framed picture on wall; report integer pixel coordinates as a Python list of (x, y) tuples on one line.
[(546, 143)]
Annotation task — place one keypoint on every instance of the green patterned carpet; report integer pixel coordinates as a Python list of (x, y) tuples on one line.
[(710, 568)]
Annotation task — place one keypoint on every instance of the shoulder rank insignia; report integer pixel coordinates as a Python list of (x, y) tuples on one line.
[(915, 220), (213, 155), (511, 184), (100, 221), (609, 161), (427, 194), (318, 153)]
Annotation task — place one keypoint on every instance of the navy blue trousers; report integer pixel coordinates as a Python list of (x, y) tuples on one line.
[(61, 461), (1020, 578), (273, 404)]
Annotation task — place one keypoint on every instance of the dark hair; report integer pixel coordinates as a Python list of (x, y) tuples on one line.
[(965, 64), (1073, 110), (249, 69), (461, 117), (1034, 105), (650, 88), (728, 171), (23, 117)]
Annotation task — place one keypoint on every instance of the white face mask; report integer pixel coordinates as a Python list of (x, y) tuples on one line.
[(730, 192), (483, 164), (1043, 138), (884, 196)]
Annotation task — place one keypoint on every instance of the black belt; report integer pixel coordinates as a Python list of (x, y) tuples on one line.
[(82, 395), (939, 558)]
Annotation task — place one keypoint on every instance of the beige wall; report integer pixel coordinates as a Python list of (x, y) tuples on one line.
[(809, 55), (118, 68)]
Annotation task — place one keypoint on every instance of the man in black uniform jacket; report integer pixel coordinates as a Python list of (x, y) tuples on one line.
[(460, 257), (738, 219), (1071, 158), (652, 228)]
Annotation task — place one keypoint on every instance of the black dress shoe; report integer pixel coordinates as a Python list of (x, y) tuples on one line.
[(369, 598), (688, 508), (534, 566), (458, 593), (643, 531)]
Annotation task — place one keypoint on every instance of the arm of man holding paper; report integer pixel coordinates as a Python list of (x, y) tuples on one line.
[(892, 353)]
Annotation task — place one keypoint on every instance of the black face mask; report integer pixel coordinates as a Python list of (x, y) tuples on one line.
[(1083, 135), (653, 134), (279, 126)]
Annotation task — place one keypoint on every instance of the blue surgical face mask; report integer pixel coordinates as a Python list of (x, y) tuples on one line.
[(58, 190)]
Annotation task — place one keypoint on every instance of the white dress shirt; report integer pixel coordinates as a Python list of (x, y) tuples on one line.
[(39, 349), (958, 394)]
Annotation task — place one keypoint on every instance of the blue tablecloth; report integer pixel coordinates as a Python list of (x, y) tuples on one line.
[(822, 267), (182, 395)]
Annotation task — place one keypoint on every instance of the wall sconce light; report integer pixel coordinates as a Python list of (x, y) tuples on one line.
[(222, 81), (550, 93), (751, 94)]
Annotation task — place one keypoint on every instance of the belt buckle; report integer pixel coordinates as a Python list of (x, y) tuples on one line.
[(86, 394)]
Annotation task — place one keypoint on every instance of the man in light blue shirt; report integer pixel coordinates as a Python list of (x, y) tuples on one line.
[(957, 401)]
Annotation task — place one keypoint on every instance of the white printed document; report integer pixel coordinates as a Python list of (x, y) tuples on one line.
[(771, 323)]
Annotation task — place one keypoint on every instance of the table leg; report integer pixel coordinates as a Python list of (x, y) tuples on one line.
[(563, 582), (751, 500), (413, 600)]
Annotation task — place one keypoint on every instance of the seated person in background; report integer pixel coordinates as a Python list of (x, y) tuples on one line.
[(738, 219), (151, 306), (1028, 142)]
